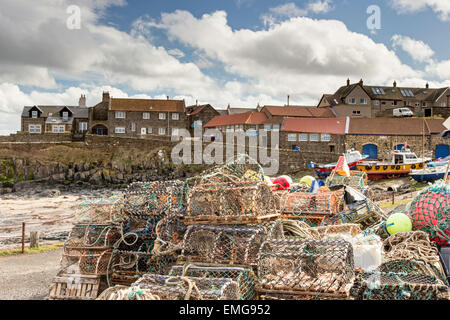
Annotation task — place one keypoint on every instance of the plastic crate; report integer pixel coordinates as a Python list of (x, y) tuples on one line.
[(444, 254)]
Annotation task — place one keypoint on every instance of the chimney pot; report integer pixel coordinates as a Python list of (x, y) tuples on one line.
[(105, 96), (348, 82), (167, 97), (361, 82), (82, 101), (427, 85), (288, 100), (395, 84)]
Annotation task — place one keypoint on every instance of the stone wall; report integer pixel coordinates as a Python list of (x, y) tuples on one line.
[(37, 138)]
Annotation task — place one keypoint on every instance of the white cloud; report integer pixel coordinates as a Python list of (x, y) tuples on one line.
[(418, 50), (290, 10), (440, 69), (320, 6), (176, 53), (302, 57), (441, 7)]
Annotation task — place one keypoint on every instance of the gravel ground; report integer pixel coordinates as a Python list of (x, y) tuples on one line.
[(28, 277)]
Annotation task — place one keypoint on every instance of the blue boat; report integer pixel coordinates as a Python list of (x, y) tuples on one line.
[(428, 174)]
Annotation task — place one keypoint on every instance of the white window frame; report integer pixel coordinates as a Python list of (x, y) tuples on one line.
[(34, 114), (34, 128), (58, 128), (120, 115), (162, 116), (267, 127), (119, 130), (146, 115), (302, 137), (356, 112), (325, 137), (443, 104), (292, 137), (83, 126), (149, 130), (65, 114), (316, 137), (175, 131), (161, 131), (276, 127), (175, 116), (133, 126), (351, 100), (376, 102)]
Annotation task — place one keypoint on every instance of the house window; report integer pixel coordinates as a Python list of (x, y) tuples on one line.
[(376, 102), (175, 116), (162, 131), (417, 104), (119, 130), (356, 112), (34, 128), (146, 115), (83, 126), (292, 137), (363, 101), (133, 126), (120, 114), (325, 137), (443, 104), (302, 137), (276, 126), (58, 129), (65, 114), (314, 137), (424, 104), (34, 114), (267, 127), (352, 100), (394, 103), (175, 131), (332, 148), (149, 130), (162, 116)]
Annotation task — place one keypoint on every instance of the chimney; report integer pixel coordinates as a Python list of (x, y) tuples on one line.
[(427, 86), (196, 102), (258, 107), (395, 84), (167, 97), (82, 101), (348, 82), (288, 100), (361, 82), (105, 96)]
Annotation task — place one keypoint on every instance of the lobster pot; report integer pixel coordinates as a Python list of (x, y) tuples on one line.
[(297, 204), (178, 288), (244, 276), (414, 267), (223, 244), (306, 267), (280, 296), (85, 235), (170, 230), (357, 180), (227, 203), (101, 211), (397, 286), (429, 213), (129, 266), (145, 199), (89, 261)]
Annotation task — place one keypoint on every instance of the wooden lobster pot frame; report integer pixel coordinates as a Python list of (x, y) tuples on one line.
[(228, 203), (235, 244), (177, 288), (277, 230), (87, 261), (97, 235), (76, 287), (244, 276), (318, 268), (357, 180)]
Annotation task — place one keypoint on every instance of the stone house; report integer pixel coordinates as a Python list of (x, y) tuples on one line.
[(324, 135), (379, 136), (199, 115), (55, 119), (238, 122), (127, 117), (361, 101)]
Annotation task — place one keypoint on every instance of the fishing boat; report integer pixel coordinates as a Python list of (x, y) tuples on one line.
[(403, 161), (428, 174), (352, 157), (441, 162)]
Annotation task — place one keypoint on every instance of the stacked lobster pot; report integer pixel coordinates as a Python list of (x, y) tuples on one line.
[(84, 263), (151, 233), (296, 268)]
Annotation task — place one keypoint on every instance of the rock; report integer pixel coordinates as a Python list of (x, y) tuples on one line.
[(50, 193)]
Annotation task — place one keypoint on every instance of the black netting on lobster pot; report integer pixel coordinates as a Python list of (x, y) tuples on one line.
[(189, 288), (301, 266), (227, 244)]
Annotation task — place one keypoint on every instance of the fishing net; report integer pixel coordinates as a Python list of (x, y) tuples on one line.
[(429, 212), (188, 288), (306, 267), (101, 211), (414, 266), (228, 203), (357, 180), (397, 286), (86, 261), (225, 244), (244, 277)]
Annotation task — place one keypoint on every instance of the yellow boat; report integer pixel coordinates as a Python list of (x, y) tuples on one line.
[(401, 165)]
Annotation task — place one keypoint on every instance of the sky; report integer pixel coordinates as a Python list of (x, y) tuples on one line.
[(237, 52)]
